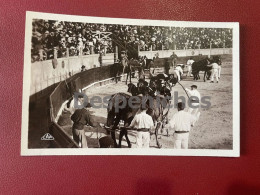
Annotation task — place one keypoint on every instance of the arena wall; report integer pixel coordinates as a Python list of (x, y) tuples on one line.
[(188, 52), (44, 75)]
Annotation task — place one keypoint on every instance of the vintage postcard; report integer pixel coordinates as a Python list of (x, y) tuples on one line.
[(110, 86)]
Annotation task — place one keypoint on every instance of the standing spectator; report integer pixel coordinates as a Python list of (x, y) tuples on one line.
[(143, 123), (173, 58), (181, 123)]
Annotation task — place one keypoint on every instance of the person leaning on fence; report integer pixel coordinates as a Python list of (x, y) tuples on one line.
[(181, 123), (80, 118), (173, 58), (143, 123)]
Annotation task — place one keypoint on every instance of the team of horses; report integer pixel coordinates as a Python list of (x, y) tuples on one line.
[(155, 95)]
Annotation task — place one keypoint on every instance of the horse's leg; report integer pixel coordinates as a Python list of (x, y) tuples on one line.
[(113, 133), (208, 75), (114, 137), (122, 132), (127, 139), (205, 76), (156, 134)]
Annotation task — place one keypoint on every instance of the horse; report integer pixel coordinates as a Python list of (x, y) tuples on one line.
[(131, 67), (127, 68), (127, 113), (149, 64), (201, 65), (117, 69), (165, 88), (114, 116), (156, 107)]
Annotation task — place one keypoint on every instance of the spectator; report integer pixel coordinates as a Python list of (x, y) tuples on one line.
[(48, 34)]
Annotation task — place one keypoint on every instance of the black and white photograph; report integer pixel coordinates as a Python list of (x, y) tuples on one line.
[(110, 86)]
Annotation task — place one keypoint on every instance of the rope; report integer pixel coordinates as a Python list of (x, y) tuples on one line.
[(184, 89)]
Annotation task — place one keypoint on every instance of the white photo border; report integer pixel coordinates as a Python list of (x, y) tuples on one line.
[(25, 151)]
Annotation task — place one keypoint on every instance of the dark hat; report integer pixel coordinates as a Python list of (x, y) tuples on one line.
[(80, 96), (181, 105), (88, 105), (143, 107), (194, 86)]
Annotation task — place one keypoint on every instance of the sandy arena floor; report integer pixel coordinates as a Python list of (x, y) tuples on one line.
[(212, 131)]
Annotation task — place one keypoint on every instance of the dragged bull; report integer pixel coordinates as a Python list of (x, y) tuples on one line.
[(201, 65)]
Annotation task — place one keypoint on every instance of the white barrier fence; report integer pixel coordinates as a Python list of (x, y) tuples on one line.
[(188, 52), (43, 73)]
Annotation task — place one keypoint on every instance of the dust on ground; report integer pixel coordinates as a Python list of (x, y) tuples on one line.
[(212, 131)]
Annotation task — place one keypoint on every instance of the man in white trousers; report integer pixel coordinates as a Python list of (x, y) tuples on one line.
[(181, 123), (189, 66), (178, 72), (143, 123), (219, 70), (215, 72)]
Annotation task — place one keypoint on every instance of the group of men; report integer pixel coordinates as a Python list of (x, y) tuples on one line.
[(178, 69), (180, 123)]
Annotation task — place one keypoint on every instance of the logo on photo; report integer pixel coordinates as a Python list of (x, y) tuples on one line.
[(47, 136)]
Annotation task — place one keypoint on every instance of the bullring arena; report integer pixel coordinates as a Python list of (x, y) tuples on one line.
[(69, 57), (212, 131)]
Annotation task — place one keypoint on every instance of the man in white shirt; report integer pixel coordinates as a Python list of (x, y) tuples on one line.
[(178, 72), (215, 71), (194, 99), (143, 123), (181, 123), (189, 66)]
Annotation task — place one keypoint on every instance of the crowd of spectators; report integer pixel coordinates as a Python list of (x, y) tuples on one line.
[(89, 38)]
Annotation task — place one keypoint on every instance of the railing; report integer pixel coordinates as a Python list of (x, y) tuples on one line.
[(63, 92)]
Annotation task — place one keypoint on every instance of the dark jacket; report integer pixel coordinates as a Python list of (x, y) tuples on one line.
[(80, 118)]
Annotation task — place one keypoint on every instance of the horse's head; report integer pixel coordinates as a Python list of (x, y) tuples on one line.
[(132, 89), (217, 60), (142, 83), (173, 79), (208, 61)]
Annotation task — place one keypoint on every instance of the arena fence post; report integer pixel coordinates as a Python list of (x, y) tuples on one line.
[(41, 54), (116, 54), (67, 53), (210, 46), (55, 53)]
